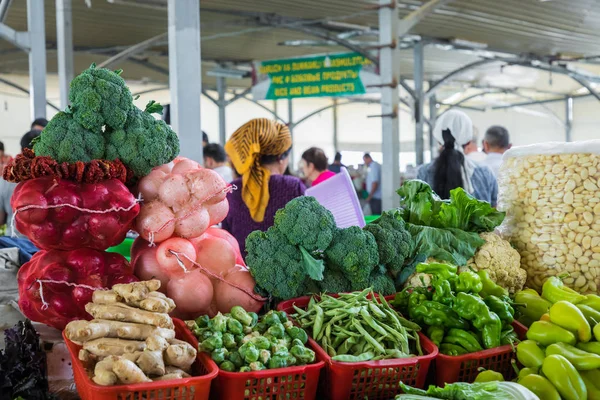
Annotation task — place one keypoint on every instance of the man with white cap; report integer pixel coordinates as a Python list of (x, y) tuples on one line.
[(453, 130)]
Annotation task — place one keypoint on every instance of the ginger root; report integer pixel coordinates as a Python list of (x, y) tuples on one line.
[(103, 372), (172, 373), (180, 354), (83, 331), (113, 347), (136, 291), (123, 313), (128, 372), (152, 362), (106, 297)]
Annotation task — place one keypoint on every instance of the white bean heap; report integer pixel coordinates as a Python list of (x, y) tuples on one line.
[(553, 216)]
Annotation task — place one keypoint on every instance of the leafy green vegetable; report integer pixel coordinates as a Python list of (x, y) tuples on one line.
[(468, 391)]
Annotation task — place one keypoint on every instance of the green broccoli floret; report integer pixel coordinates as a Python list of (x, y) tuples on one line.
[(144, 142), (279, 267), (306, 223), (100, 97), (382, 284), (354, 252), (334, 281), (394, 242), (65, 140)]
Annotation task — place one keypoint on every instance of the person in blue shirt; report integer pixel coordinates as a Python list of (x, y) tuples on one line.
[(373, 184), (453, 130)]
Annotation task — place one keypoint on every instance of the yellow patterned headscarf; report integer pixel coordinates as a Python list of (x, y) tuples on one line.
[(256, 138)]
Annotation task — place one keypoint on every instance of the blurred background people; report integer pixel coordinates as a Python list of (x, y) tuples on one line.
[(205, 140), (259, 151), (451, 169), (373, 183), (39, 124), (495, 142), (215, 158), (471, 149), (314, 166), (336, 166)]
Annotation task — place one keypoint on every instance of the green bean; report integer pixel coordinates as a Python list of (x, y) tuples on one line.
[(319, 318), (347, 345), (408, 324), (376, 311), (369, 320), (301, 312), (311, 302), (339, 338), (344, 331), (368, 337), (418, 344), (348, 358)]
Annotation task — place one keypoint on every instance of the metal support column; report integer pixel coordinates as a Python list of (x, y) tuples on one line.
[(291, 127), (568, 118), (64, 39), (389, 67), (37, 58), (185, 75), (222, 104), (335, 126), (432, 119), (419, 102)]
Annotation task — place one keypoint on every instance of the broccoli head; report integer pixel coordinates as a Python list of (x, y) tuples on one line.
[(394, 242), (334, 281), (306, 223), (381, 283), (279, 267), (144, 142), (354, 252), (65, 140), (100, 97)]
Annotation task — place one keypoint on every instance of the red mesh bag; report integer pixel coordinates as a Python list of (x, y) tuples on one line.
[(55, 286), (64, 215)]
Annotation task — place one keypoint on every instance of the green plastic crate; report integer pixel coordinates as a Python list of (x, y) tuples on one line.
[(371, 218), (123, 249)]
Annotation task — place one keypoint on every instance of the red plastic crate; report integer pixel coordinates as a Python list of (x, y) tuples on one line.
[(450, 369), (375, 380), (194, 388), (297, 382)]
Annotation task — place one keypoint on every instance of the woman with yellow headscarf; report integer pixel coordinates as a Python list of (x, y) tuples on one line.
[(259, 151)]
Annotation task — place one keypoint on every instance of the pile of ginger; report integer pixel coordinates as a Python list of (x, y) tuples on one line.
[(131, 338)]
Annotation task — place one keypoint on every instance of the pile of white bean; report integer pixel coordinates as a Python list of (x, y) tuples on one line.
[(553, 216)]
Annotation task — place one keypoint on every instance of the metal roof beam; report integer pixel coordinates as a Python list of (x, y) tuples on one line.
[(24, 90), (462, 69), (135, 49), (412, 19), (18, 39), (4, 6)]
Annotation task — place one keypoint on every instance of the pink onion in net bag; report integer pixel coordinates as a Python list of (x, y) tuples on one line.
[(64, 215), (55, 286), (180, 199), (202, 275)]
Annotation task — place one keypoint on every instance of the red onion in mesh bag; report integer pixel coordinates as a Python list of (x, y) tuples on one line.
[(55, 286), (64, 215)]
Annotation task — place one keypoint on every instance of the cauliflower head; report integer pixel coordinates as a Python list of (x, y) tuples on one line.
[(502, 262)]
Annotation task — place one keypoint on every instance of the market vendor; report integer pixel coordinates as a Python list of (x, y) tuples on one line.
[(314, 166), (453, 130), (259, 151)]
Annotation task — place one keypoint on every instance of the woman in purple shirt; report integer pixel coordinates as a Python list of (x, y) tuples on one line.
[(259, 150)]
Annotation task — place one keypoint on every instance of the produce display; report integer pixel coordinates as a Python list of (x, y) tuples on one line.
[(561, 356), (305, 253), (461, 313), (240, 341), (359, 326), (65, 215), (550, 194), (55, 286), (203, 275), (131, 339)]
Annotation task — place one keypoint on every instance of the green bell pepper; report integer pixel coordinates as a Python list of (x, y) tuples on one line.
[(534, 305), (509, 336), (568, 316), (596, 332), (564, 377), (581, 360), (502, 308), (452, 349), (592, 300), (540, 386), (490, 288), (469, 281), (442, 291), (530, 354), (437, 314), (489, 376), (592, 383), (439, 270), (591, 315), (436, 334), (590, 347), (554, 290), (463, 339), (527, 371), (401, 300), (473, 308), (546, 333)]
